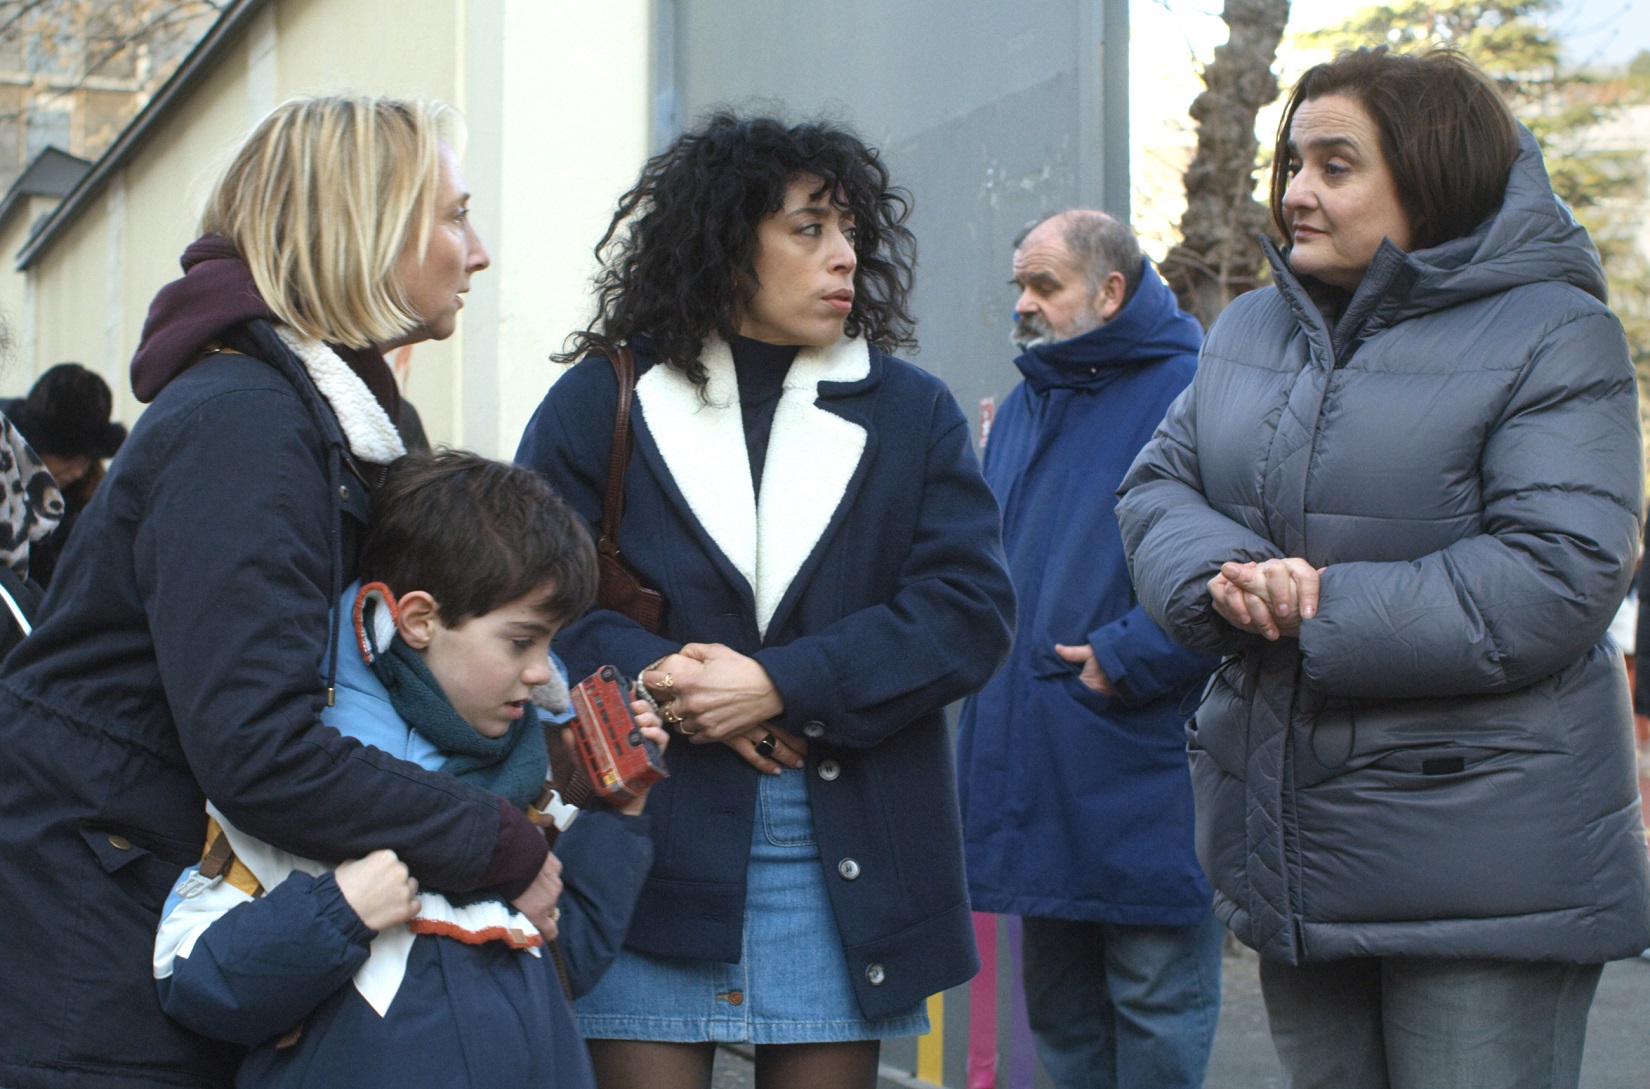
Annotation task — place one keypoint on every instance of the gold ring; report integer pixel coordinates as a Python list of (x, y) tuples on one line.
[(668, 682), (668, 712), (764, 748), (555, 914)]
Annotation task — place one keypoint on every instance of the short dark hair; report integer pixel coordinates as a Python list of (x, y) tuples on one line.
[(1101, 244), (476, 534), (684, 237), (1446, 134)]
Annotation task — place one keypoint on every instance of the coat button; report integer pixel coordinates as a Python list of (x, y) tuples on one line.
[(813, 729), (343, 491), (829, 770), (874, 975), (733, 998), (848, 868), (120, 843)]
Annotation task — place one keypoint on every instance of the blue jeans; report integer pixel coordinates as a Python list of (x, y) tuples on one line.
[(1429, 1023), (1123, 1007)]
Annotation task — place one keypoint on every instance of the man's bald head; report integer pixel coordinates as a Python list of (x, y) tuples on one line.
[(1076, 271)]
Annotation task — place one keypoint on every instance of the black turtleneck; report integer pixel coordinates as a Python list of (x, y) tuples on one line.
[(761, 368)]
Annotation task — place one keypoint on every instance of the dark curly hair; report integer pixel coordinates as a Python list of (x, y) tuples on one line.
[(673, 256)]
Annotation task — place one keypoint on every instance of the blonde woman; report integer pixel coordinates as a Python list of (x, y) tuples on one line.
[(176, 656)]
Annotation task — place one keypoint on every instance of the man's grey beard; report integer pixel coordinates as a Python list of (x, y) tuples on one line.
[(1030, 331)]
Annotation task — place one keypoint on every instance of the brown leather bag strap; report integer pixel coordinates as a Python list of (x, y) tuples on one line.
[(624, 369)]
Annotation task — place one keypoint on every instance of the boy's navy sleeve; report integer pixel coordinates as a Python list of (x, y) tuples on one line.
[(605, 858), (259, 969)]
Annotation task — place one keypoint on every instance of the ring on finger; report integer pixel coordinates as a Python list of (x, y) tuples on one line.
[(764, 748), (668, 712), (668, 682), (555, 914)]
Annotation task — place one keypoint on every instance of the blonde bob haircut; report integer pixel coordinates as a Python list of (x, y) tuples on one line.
[(322, 201)]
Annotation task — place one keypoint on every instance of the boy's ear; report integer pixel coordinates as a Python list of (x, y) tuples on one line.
[(416, 619)]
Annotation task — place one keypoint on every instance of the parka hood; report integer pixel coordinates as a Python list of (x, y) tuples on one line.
[(215, 294), (1149, 329)]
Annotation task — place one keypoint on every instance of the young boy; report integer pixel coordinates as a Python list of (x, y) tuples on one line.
[(353, 976)]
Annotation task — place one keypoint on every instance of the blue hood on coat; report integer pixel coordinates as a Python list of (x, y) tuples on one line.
[(1149, 329)]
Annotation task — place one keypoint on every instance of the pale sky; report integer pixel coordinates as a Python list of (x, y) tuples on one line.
[(1605, 30)]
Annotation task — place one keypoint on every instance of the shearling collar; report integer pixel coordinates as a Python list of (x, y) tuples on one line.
[(366, 426), (813, 455)]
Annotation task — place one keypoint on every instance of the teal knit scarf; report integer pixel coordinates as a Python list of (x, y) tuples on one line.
[(512, 765)]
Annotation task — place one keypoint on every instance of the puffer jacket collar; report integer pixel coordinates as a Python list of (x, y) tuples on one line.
[(1150, 329)]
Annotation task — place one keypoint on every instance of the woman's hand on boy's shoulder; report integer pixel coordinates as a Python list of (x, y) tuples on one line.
[(380, 889)]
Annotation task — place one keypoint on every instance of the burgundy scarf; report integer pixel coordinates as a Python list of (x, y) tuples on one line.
[(215, 294)]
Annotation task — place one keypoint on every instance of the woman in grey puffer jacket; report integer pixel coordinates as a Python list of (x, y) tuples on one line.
[(1417, 802)]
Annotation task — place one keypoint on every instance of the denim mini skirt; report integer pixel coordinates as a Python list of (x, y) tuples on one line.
[(791, 984)]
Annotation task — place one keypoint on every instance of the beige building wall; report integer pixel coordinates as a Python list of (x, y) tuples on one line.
[(16, 310), (69, 318), (556, 98)]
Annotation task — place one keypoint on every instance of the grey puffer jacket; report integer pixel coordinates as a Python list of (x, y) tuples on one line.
[(1441, 764)]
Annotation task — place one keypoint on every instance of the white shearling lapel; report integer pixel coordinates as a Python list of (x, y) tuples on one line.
[(812, 457), (367, 428), (702, 443)]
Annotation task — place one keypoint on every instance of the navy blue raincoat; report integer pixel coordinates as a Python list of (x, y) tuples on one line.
[(1078, 805)]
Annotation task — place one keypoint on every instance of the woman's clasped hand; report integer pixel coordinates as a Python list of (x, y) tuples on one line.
[(711, 693), (1269, 598)]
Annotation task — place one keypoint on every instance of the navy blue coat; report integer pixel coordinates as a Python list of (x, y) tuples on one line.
[(881, 598), (1078, 805), (176, 651)]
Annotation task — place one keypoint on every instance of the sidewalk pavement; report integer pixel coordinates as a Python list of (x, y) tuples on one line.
[(1618, 1033)]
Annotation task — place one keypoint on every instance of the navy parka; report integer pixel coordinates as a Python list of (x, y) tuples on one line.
[(870, 585), (1078, 805)]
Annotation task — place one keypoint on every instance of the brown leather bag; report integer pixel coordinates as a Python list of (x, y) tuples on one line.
[(618, 587)]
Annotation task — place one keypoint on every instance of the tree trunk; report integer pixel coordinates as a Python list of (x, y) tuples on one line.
[(1217, 259)]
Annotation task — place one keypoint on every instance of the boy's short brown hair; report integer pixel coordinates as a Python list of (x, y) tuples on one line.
[(475, 534)]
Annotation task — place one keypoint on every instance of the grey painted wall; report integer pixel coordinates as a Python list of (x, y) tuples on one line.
[(990, 114)]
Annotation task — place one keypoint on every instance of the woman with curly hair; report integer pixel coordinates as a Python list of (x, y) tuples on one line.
[(812, 511)]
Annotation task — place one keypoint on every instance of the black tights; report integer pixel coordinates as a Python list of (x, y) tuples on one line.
[(648, 1064)]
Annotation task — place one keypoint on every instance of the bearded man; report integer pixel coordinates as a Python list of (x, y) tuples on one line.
[(1077, 801)]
